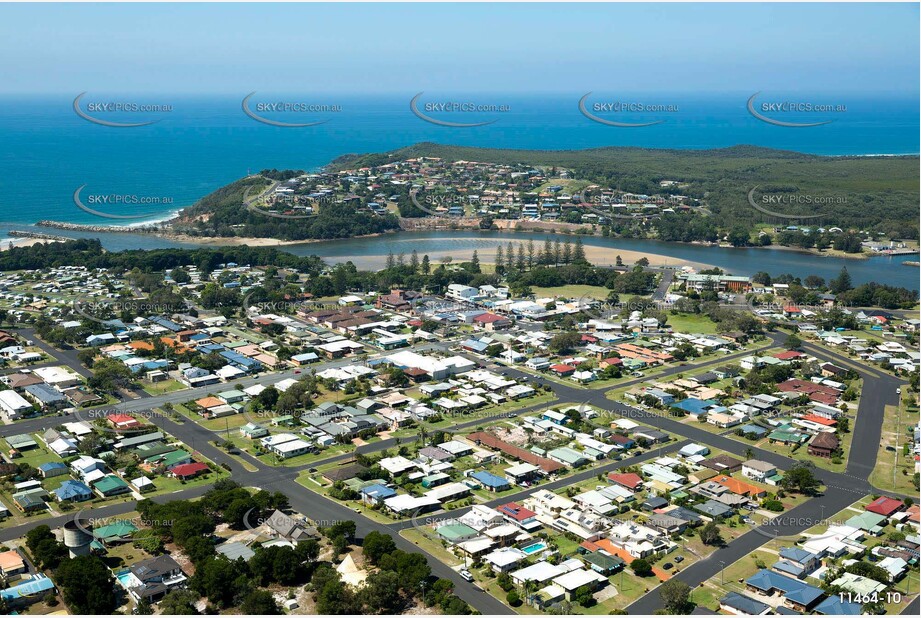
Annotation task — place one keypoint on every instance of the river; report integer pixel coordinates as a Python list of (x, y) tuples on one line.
[(371, 253)]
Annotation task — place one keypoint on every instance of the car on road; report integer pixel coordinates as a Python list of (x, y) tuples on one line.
[(297, 371), (467, 575), (357, 510)]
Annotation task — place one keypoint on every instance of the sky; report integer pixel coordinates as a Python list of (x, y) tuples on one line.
[(396, 48)]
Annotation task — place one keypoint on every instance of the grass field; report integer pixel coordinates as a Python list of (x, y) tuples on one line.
[(893, 468), (691, 323), (597, 292)]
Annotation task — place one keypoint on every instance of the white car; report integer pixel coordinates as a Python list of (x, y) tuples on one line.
[(467, 575)]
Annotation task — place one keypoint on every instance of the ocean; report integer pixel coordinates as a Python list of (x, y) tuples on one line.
[(203, 143)]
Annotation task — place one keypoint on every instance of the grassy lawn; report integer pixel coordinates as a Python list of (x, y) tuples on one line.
[(168, 484), (575, 291), (691, 323), (38, 455), (893, 468), (160, 388), (427, 541)]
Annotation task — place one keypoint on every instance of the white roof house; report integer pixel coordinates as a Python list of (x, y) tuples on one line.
[(396, 465), (578, 578)]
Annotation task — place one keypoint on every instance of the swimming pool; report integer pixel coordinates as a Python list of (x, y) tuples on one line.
[(534, 548), (124, 578)]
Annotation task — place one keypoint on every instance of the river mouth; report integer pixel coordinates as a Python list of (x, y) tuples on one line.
[(371, 253)]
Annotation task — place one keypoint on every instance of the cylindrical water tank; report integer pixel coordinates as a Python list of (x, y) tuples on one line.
[(77, 537)]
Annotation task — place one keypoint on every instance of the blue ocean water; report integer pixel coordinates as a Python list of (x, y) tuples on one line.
[(48, 151)]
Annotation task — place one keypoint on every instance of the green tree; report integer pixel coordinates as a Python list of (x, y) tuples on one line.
[(800, 478), (676, 596), (376, 544), (179, 602), (381, 593), (260, 602), (87, 585), (710, 534), (641, 567)]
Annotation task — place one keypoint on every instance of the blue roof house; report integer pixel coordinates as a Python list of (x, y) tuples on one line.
[(73, 491)]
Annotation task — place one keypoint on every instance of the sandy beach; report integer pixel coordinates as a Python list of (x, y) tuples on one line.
[(599, 256), (9, 243)]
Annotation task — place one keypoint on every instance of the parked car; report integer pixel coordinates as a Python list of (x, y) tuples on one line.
[(467, 575)]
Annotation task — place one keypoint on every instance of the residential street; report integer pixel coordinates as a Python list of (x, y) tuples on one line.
[(843, 489)]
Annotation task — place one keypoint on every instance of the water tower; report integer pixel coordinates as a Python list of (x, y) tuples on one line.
[(77, 538)]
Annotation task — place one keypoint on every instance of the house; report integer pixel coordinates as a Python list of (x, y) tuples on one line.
[(739, 604), (491, 322), (456, 533), (52, 469), (836, 606), (578, 578), (188, 471), (796, 562), (491, 481), (885, 506), (859, 585), (12, 564), (13, 406), (376, 494), (253, 431), (73, 491), (740, 488), (796, 595), (24, 594), (628, 480), (723, 463), (149, 580), (519, 515), (563, 370), (504, 559), (824, 444), (110, 485), (758, 470), (289, 528), (666, 523), (120, 531)]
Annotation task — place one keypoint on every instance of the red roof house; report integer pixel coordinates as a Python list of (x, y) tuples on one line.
[(885, 506), (563, 370), (628, 480), (189, 470), (515, 511), (123, 421)]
